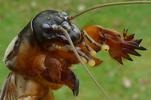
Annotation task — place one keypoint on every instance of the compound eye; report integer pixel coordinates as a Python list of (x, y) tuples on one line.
[(47, 30), (46, 26)]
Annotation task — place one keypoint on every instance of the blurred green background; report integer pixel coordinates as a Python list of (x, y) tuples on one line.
[(128, 82)]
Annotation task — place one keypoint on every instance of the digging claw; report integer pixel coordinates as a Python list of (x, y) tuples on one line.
[(126, 56), (141, 48), (138, 41), (75, 90)]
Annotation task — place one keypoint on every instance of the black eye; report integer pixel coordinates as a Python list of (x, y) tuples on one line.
[(75, 34), (45, 26)]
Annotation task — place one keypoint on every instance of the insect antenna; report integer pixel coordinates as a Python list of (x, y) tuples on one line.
[(91, 76), (103, 6), (108, 5)]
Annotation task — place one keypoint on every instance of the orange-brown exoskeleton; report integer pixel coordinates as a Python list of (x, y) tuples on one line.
[(41, 55)]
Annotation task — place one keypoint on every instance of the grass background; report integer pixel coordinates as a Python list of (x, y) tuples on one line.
[(15, 14)]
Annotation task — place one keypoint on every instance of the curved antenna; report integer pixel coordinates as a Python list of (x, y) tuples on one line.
[(108, 5), (91, 76)]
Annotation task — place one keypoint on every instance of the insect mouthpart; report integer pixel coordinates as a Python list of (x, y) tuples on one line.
[(55, 46)]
